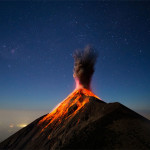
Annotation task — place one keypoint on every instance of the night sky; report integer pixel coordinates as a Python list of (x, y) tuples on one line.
[(37, 40)]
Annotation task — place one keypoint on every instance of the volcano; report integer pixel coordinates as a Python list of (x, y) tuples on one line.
[(84, 121)]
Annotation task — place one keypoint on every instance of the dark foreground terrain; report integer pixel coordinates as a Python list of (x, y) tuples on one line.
[(85, 122)]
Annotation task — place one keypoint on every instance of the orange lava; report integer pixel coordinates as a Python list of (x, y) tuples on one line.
[(67, 108)]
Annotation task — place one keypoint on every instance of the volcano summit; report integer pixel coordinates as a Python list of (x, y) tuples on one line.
[(83, 120)]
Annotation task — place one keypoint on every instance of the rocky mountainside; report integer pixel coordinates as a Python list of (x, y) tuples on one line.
[(83, 121)]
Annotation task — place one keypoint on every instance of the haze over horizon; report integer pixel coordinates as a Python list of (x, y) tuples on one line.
[(38, 39)]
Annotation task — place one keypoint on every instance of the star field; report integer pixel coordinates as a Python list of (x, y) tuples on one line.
[(38, 39)]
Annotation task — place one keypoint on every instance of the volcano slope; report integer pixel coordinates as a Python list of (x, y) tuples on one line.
[(83, 121)]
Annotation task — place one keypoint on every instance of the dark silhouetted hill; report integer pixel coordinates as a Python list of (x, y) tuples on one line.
[(82, 121)]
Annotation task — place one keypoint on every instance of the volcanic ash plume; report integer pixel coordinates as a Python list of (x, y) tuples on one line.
[(84, 61)]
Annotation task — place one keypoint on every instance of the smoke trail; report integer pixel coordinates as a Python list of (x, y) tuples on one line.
[(84, 61)]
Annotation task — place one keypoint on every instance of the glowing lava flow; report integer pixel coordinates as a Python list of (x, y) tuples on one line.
[(67, 108)]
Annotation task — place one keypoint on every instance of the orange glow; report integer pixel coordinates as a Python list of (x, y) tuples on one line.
[(67, 108), (22, 125)]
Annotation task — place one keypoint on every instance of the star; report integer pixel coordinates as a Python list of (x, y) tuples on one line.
[(12, 51), (9, 66)]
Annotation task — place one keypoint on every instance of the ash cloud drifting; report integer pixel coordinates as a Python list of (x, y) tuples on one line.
[(84, 61)]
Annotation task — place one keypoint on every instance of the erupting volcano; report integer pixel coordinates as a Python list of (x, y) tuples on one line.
[(68, 108), (83, 71), (83, 120)]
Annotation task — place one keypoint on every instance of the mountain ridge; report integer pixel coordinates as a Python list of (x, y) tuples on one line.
[(82, 121)]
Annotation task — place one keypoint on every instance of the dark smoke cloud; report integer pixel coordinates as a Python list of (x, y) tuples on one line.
[(84, 61)]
